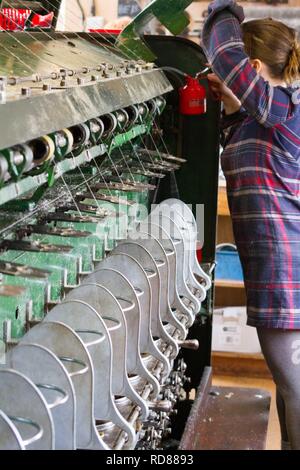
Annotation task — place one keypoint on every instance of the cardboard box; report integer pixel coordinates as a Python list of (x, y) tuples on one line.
[(230, 332)]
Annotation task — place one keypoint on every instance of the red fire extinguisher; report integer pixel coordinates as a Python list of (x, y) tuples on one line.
[(192, 97)]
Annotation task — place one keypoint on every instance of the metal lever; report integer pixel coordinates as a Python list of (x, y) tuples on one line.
[(117, 187), (62, 217), (104, 197), (15, 269), (160, 405), (189, 344), (144, 172), (61, 232), (150, 154), (86, 208), (20, 245), (128, 182)]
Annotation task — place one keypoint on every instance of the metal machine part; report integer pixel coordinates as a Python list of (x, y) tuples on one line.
[(108, 350), (27, 408)]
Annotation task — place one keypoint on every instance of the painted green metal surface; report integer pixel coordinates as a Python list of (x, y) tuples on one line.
[(69, 262), (37, 295), (170, 13), (38, 289), (14, 304), (121, 139), (80, 247)]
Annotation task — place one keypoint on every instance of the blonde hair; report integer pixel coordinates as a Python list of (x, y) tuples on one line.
[(276, 45)]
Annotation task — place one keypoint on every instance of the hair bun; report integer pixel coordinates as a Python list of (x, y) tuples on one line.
[(292, 69)]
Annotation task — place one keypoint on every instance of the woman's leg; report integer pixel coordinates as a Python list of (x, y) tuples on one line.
[(281, 349), (285, 444)]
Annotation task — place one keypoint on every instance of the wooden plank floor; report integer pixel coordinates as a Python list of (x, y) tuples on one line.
[(273, 437)]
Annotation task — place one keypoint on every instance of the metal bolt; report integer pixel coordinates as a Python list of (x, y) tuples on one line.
[(46, 87), (63, 83), (129, 71), (25, 91), (108, 74), (13, 80)]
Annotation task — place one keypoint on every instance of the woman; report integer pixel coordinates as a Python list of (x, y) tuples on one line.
[(254, 65)]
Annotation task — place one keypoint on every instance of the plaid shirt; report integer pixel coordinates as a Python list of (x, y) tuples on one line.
[(261, 162)]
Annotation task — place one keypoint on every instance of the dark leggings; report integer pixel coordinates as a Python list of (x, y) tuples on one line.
[(281, 349)]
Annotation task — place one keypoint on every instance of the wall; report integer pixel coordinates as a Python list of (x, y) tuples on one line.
[(107, 9), (71, 17)]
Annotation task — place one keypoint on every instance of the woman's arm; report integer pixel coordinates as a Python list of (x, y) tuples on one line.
[(230, 102), (224, 48), (234, 119)]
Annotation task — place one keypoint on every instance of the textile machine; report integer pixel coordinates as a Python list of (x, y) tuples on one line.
[(105, 298)]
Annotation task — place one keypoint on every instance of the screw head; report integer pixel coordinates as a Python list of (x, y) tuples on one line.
[(46, 87), (25, 91)]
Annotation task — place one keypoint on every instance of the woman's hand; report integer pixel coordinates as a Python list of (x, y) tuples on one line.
[(231, 103)]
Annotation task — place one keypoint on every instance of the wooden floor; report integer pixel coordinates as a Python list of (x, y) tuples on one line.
[(273, 438)]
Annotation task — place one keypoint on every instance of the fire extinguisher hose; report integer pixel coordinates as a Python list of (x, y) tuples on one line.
[(181, 73)]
